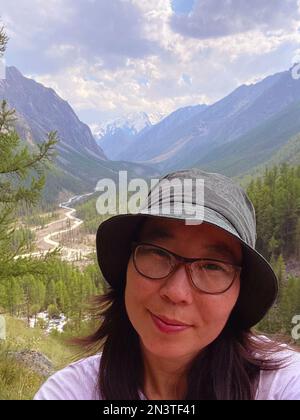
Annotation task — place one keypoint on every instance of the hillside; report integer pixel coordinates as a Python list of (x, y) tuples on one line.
[(80, 162), (19, 380), (259, 146), (234, 135)]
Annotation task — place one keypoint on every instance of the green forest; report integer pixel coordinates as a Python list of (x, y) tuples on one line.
[(276, 198), (62, 288)]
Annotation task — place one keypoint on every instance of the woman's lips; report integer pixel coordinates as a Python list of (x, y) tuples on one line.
[(167, 328)]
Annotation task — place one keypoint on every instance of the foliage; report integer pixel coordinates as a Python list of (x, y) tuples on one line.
[(17, 381), (61, 288), (22, 178), (276, 198)]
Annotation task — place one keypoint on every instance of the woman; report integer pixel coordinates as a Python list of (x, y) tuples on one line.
[(183, 298)]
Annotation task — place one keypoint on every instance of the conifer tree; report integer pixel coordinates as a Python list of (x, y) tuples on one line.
[(22, 178)]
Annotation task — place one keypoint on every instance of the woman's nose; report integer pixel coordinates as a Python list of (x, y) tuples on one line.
[(177, 286)]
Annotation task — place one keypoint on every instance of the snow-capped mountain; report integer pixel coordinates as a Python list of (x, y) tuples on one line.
[(116, 135), (240, 131)]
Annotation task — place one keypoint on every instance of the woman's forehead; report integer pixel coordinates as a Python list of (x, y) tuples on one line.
[(168, 228), (178, 233)]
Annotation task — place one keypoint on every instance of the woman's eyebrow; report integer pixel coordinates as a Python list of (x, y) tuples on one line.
[(158, 234), (222, 249)]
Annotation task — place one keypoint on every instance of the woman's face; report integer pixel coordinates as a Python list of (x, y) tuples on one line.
[(175, 297)]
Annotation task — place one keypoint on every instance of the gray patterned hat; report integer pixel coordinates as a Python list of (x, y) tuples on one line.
[(225, 205)]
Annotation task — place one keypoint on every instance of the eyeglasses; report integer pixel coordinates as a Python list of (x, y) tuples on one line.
[(208, 275)]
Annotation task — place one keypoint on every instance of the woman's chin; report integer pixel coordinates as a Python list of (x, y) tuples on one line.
[(164, 350)]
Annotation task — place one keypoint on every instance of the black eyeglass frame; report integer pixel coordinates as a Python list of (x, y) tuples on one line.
[(186, 261)]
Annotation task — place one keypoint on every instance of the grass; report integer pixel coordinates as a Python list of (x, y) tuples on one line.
[(18, 382)]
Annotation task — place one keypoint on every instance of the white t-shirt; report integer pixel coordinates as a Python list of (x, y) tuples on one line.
[(78, 381)]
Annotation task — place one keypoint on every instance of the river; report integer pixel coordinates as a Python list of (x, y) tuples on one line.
[(47, 242)]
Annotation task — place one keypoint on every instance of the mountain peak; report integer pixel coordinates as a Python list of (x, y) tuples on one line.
[(44, 111), (13, 70), (132, 123), (13, 73)]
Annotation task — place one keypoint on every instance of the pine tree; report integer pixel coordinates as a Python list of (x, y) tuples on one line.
[(280, 270), (14, 296), (273, 247), (22, 178), (3, 41), (51, 297)]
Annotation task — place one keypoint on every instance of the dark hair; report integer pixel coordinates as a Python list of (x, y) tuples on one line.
[(227, 369)]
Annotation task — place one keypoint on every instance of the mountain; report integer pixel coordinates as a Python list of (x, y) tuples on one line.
[(289, 154), (115, 136), (239, 126), (155, 143), (80, 162), (44, 111), (274, 141)]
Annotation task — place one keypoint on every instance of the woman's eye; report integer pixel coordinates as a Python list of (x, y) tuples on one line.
[(212, 266), (158, 253)]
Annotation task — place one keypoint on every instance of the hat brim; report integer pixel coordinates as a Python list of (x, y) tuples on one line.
[(259, 284)]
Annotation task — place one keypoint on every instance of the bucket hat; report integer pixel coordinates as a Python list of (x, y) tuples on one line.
[(225, 205)]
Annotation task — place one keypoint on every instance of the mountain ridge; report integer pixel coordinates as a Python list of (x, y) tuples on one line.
[(177, 143), (80, 162)]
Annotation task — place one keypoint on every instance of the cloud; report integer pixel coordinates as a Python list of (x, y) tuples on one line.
[(189, 73), (218, 18), (107, 58), (108, 29), (119, 91), (53, 33)]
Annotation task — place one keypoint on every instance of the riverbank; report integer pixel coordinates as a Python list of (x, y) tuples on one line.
[(52, 235)]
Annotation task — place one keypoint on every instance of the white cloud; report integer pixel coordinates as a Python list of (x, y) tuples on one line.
[(120, 91), (102, 31), (126, 57)]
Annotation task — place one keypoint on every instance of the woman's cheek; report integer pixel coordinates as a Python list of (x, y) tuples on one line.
[(217, 308), (136, 295)]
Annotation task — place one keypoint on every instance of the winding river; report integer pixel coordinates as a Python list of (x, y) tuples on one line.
[(48, 243)]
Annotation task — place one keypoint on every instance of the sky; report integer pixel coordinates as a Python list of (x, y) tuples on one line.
[(112, 57)]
